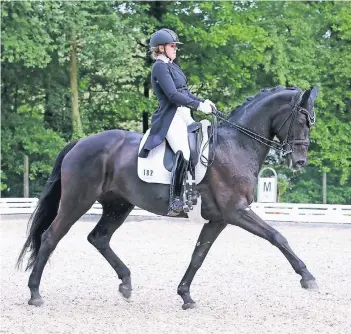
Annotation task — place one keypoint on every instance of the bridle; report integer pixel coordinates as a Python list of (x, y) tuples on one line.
[(287, 146), (284, 147)]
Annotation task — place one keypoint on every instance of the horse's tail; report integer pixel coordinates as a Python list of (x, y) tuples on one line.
[(46, 210)]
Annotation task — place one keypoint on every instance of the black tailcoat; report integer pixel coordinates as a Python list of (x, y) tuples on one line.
[(169, 84)]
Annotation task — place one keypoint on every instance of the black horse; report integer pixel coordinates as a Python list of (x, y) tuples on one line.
[(103, 168)]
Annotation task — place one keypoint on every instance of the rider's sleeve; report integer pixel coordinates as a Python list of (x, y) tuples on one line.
[(195, 97), (165, 80)]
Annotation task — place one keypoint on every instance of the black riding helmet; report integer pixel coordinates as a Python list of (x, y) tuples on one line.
[(162, 37)]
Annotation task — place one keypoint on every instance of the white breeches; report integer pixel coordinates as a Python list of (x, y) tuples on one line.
[(177, 134)]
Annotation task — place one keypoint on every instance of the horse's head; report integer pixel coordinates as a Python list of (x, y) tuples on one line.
[(295, 129)]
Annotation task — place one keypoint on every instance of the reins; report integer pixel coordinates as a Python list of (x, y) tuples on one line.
[(284, 148)]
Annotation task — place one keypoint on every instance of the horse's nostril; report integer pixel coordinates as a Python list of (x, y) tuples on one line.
[(302, 163)]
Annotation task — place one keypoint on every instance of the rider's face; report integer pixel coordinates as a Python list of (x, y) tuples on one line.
[(171, 50)]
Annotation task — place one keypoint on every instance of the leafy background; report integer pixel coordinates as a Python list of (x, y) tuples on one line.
[(71, 69)]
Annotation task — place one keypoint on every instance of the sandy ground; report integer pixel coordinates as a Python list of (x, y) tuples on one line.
[(244, 286)]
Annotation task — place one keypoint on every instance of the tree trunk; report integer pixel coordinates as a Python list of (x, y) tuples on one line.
[(324, 188), (16, 100), (48, 111), (157, 9), (77, 131), (26, 176)]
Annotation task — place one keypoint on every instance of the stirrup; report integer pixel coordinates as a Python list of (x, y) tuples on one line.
[(175, 207)]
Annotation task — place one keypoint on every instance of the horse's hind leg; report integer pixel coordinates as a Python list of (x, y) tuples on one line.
[(70, 211), (113, 216)]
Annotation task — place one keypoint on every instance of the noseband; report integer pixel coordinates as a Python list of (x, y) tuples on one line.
[(287, 145)]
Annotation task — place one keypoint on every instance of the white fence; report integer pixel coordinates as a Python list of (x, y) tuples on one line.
[(282, 212), (14, 206)]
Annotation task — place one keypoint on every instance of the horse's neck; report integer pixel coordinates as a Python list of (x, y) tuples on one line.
[(260, 125), (258, 119)]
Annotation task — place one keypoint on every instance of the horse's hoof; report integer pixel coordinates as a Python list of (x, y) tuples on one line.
[(36, 302), (309, 284), (125, 291), (188, 306)]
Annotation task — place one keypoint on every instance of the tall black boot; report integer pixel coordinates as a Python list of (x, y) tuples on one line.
[(179, 172)]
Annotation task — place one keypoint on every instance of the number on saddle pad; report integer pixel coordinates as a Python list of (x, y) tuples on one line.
[(148, 172)]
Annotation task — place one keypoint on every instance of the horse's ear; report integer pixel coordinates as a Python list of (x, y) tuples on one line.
[(314, 93), (309, 94), (305, 97)]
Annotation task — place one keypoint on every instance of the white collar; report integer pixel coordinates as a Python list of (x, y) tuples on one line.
[(163, 58)]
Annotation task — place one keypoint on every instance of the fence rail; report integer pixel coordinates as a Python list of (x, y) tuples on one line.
[(287, 212)]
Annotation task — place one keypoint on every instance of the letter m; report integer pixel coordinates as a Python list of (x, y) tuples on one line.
[(267, 186)]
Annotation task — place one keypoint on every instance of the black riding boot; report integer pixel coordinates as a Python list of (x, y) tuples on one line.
[(179, 172)]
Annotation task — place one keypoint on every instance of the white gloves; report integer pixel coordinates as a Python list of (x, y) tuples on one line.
[(206, 107), (212, 104)]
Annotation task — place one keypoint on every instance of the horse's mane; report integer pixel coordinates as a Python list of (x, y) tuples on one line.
[(260, 95)]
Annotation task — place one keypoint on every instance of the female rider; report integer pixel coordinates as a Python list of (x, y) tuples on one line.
[(172, 116)]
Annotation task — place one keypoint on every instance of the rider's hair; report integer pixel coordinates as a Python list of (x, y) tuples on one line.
[(155, 52)]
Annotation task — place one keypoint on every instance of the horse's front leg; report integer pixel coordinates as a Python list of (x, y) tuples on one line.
[(245, 218), (208, 235)]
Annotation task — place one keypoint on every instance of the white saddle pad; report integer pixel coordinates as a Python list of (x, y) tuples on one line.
[(152, 170)]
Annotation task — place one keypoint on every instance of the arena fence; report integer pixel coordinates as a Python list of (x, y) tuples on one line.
[(282, 212)]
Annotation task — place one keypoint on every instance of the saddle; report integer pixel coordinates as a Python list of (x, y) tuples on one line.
[(157, 167)]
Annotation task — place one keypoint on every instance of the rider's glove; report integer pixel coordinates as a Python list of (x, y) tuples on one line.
[(205, 107)]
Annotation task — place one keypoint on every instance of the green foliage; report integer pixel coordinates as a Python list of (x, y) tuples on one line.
[(3, 177), (24, 134), (231, 50), (305, 186), (283, 185), (25, 35)]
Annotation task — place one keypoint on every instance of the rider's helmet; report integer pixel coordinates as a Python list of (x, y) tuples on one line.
[(164, 36)]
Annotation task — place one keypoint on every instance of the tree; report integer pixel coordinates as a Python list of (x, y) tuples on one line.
[(232, 50), (51, 31)]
